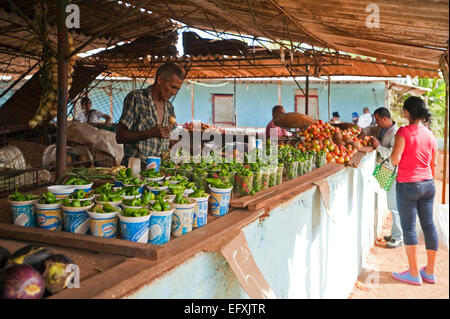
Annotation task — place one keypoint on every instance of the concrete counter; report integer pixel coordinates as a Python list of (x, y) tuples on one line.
[(301, 249)]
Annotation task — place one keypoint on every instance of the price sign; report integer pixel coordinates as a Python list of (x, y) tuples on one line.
[(241, 261)]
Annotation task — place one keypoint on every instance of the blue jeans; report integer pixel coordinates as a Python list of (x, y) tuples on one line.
[(396, 231), (417, 198)]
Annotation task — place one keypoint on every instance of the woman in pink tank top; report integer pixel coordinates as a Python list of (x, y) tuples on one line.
[(415, 154)]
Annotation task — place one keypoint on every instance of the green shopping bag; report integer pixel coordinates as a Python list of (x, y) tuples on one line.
[(384, 175)]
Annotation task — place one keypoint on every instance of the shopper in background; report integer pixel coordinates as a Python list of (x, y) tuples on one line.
[(415, 154), (336, 119), (355, 117), (383, 139), (276, 111), (90, 115), (366, 119)]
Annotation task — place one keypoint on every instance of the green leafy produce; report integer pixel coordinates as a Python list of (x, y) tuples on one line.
[(147, 197), (76, 203), (76, 181), (105, 208), (198, 193), (218, 183), (180, 199), (17, 196), (151, 173), (244, 182), (131, 191), (105, 188), (136, 202), (109, 197), (177, 188), (135, 212), (79, 194), (49, 198)]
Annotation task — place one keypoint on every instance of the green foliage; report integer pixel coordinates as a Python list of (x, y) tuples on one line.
[(436, 103)]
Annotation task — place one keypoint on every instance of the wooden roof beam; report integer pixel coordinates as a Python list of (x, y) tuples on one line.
[(298, 25)]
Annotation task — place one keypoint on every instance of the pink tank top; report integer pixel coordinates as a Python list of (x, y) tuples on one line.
[(420, 144)]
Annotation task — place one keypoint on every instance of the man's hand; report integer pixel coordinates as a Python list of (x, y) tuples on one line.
[(375, 142), (161, 131)]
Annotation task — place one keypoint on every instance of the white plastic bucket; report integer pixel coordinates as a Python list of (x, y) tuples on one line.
[(11, 156)]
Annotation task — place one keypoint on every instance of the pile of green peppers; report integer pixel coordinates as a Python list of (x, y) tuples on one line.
[(180, 199), (19, 197), (218, 183), (135, 212), (76, 203), (105, 208), (79, 194), (198, 193), (151, 173), (49, 198), (160, 204), (131, 191)]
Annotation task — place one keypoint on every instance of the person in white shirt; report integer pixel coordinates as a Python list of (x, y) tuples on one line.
[(89, 115), (366, 119)]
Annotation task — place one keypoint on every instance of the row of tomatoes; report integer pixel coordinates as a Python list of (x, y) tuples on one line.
[(340, 145)]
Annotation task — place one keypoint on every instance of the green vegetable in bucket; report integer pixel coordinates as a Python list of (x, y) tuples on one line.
[(218, 183), (17, 196), (76, 181), (180, 199), (147, 197), (198, 193), (135, 212), (49, 198)]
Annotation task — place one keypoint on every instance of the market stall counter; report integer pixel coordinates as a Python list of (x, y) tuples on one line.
[(309, 241)]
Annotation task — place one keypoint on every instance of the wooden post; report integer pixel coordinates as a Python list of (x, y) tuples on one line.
[(307, 90), (234, 102), (444, 177), (445, 69), (279, 93), (111, 101), (329, 101), (192, 100), (61, 124), (387, 95)]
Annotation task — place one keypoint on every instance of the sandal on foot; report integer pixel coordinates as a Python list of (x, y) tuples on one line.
[(428, 278), (407, 278)]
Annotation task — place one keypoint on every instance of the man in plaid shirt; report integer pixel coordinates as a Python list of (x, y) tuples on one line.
[(144, 126)]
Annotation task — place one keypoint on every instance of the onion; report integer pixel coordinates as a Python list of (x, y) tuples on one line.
[(33, 123), (21, 282)]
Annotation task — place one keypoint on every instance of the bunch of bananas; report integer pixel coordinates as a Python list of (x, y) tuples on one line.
[(49, 82)]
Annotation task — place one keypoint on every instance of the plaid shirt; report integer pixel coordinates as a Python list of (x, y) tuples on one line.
[(139, 114)]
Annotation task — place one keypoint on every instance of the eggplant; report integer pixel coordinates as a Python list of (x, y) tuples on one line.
[(4, 255), (32, 254), (21, 281), (55, 272)]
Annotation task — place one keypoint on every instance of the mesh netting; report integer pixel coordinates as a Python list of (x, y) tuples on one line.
[(107, 96)]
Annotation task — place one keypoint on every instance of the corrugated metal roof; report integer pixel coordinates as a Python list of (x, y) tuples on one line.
[(18, 47), (408, 31), (257, 62)]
